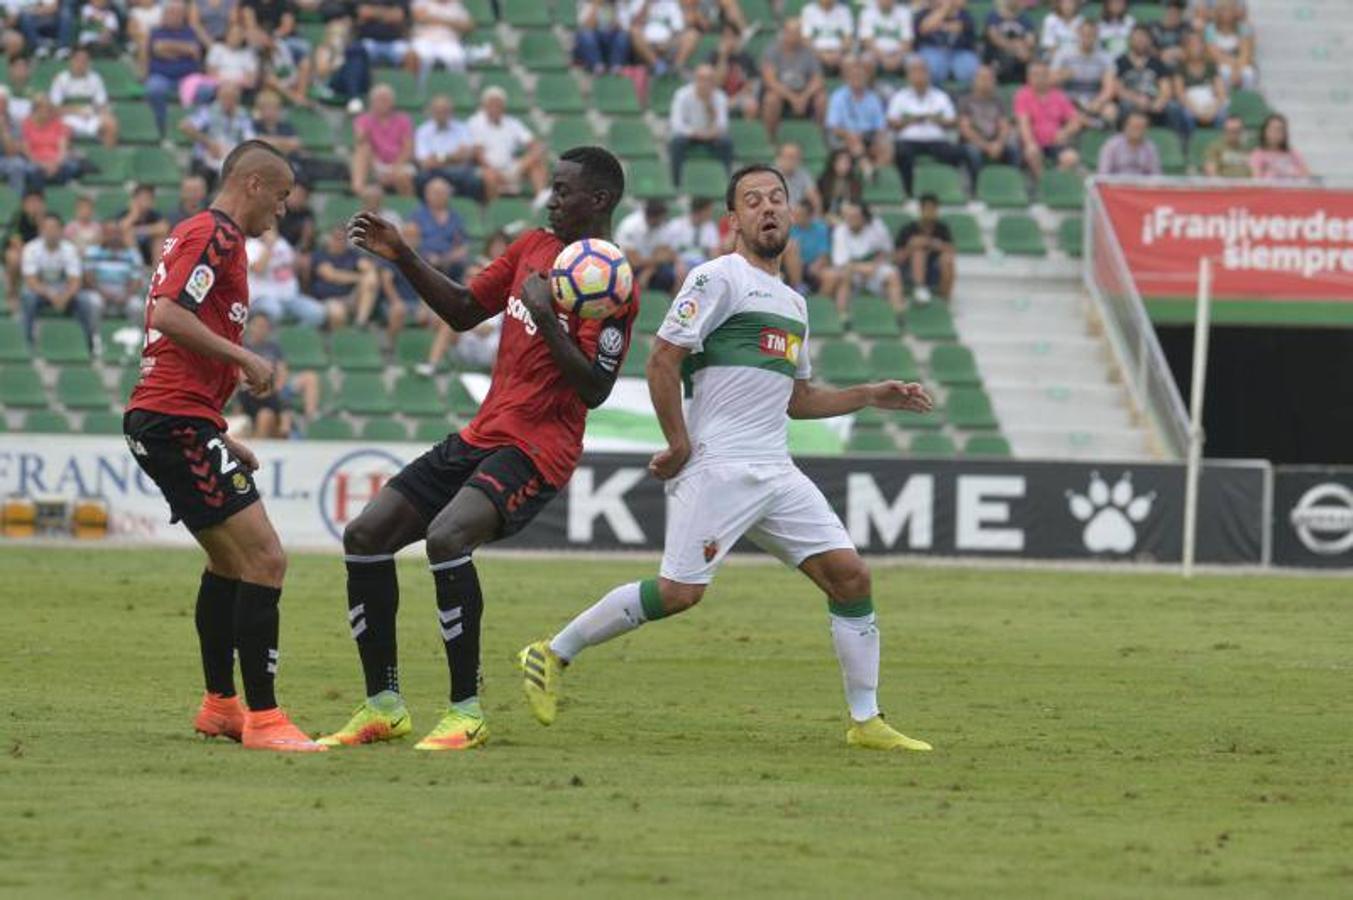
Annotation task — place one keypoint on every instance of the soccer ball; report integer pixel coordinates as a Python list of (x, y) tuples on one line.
[(591, 278)]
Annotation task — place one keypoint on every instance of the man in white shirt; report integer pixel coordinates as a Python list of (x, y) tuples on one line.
[(510, 151), (922, 117), (693, 237), (51, 271), (699, 116), (273, 287), (79, 93), (862, 253), (829, 29), (437, 29), (886, 34), (640, 236), (443, 147), (660, 35)]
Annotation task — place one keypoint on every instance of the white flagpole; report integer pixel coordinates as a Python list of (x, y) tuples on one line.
[(1202, 322)]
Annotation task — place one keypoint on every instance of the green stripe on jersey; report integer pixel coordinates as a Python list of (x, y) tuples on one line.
[(756, 340)]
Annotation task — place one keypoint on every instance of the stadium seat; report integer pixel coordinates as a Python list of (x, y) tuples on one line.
[(473, 216), (1018, 235), (102, 422), (462, 404), (1062, 190), (649, 179), (953, 365), (570, 131), (1070, 236), (966, 232), (660, 92), (758, 11), (751, 144), (9, 203), (892, 360), (136, 123), (404, 83), (61, 199), (841, 362), (481, 11), (454, 85), (614, 95), (931, 322), (112, 166), (869, 417), (155, 165), (20, 385), (987, 445), (419, 397), (1092, 140), (631, 139), (126, 381), (364, 393), (431, 431), (313, 129), (384, 430), (329, 428), (355, 350), (823, 319), (704, 178), (910, 421), (1002, 187), (870, 440), (558, 94), (524, 13), (637, 358), (1250, 106), (942, 181), (653, 307), (120, 80), (1170, 148), (884, 188), (517, 102), (540, 51), (970, 408), (302, 347), (338, 208), (932, 443), (62, 342), (81, 389), (565, 13), (13, 348), (510, 212), (873, 317), (412, 346), (45, 421), (808, 135), (896, 220)]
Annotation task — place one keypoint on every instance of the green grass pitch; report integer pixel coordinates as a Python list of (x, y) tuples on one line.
[(1097, 735)]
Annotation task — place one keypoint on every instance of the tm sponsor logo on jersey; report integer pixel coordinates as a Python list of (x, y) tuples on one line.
[(516, 309), (780, 344)]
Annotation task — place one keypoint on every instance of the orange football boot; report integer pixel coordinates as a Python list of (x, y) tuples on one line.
[(270, 729), (220, 717)]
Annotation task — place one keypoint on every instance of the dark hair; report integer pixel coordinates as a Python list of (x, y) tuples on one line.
[(244, 148), (142, 187), (34, 192), (730, 196), (1136, 113), (601, 171), (53, 215), (1145, 30), (929, 197), (700, 204), (1263, 132)]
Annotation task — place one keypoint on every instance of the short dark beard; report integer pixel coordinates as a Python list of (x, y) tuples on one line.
[(772, 251)]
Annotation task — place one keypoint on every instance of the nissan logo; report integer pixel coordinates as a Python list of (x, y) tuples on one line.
[(1323, 519)]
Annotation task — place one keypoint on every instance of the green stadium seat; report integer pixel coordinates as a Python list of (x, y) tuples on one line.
[(896, 220), (614, 95), (541, 51), (302, 347), (872, 317), (364, 393), (870, 440), (884, 188), (81, 389), (970, 408), (108, 423), (524, 13), (559, 94), (136, 123), (869, 417), (431, 431), (157, 166), (126, 381), (517, 102), (570, 131), (931, 322), (384, 430), (61, 200), (808, 135), (841, 362), (892, 360), (942, 181), (648, 179), (653, 306), (565, 13), (1170, 148), (329, 428), (704, 178), (404, 83), (1002, 187), (112, 164), (355, 350), (910, 421), (932, 444), (823, 319), (1062, 190), (1250, 106), (1018, 234), (637, 358), (21, 386), (481, 11), (9, 203), (13, 348), (758, 11), (107, 204), (419, 397), (987, 445), (338, 208), (631, 139), (119, 79), (660, 91), (454, 85), (508, 212), (750, 142), (953, 365), (462, 403), (313, 129), (472, 214), (45, 421), (966, 232), (1071, 236), (412, 346), (62, 342)]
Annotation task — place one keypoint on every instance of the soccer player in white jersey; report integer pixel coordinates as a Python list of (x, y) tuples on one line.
[(740, 335)]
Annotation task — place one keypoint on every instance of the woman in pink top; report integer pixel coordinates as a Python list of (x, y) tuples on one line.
[(1273, 159), (384, 138), (46, 142)]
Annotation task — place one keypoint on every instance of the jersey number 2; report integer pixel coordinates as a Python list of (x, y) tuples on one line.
[(228, 465)]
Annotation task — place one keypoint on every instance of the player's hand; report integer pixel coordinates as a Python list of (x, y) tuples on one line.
[(665, 464), (241, 452), (905, 395), (258, 375), (369, 232), (537, 297)]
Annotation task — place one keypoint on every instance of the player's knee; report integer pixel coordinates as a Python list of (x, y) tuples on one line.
[(852, 581), (448, 541), (362, 537), (679, 597)]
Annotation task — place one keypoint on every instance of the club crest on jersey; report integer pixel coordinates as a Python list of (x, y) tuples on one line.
[(711, 550), (780, 344), (686, 310), (239, 483), (200, 282)]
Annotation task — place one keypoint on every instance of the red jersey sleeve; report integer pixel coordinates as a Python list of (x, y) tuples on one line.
[(606, 341), (187, 271), (493, 285)]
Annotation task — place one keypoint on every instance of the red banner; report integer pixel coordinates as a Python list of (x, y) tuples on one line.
[(1277, 243)]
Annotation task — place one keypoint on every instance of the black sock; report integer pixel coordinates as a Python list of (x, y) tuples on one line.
[(373, 600), (256, 640), (460, 606), (215, 619)]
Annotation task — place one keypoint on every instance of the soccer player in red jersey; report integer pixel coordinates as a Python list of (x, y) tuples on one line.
[(191, 364), (492, 478)]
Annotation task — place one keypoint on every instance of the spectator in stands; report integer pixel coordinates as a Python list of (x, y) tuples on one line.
[(694, 237), (383, 31), (791, 80), (51, 279), (143, 224), (13, 164), (829, 29), (444, 148), (1200, 87), (660, 36), (22, 229), (20, 105), (802, 187), (340, 275), (192, 199), (297, 225), (1088, 75), (383, 145), (839, 184), (809, 257), (509, 149), (924, 251), (281, 70), (1275, 159), (639, 235), (1204, 11), (46, 143), (477, 348), (231, 61), (274, 289), (83, 230), (373, 201), (1229, 155), (445, 244), (602, 40), (436, 37), (114, 275), (1169, 32), (1130, 152), (79, 93), (922, 116), (211, 19), (1115, 27), (1146, 84), (946, 38), (856, 119), (1011, 41), (985, 126), (269, 125), (143, 17), (1060, 27), (707, 16), (98, 27), (171, 53), (215, 129), (399, 304), (699, 116), (735, 72), (1048, 123), (1231, 43), (46, 25), (886, 33), (862, 254), (271, 416)]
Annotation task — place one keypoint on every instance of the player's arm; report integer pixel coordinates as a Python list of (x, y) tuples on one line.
[(664, 388), (452, 302), (184, 328), (592, 380), (814, 401)]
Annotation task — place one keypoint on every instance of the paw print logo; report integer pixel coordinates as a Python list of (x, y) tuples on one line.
[(1111, 514)]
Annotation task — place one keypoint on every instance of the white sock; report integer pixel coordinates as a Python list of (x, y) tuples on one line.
[(857, 649), (619, 611)]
